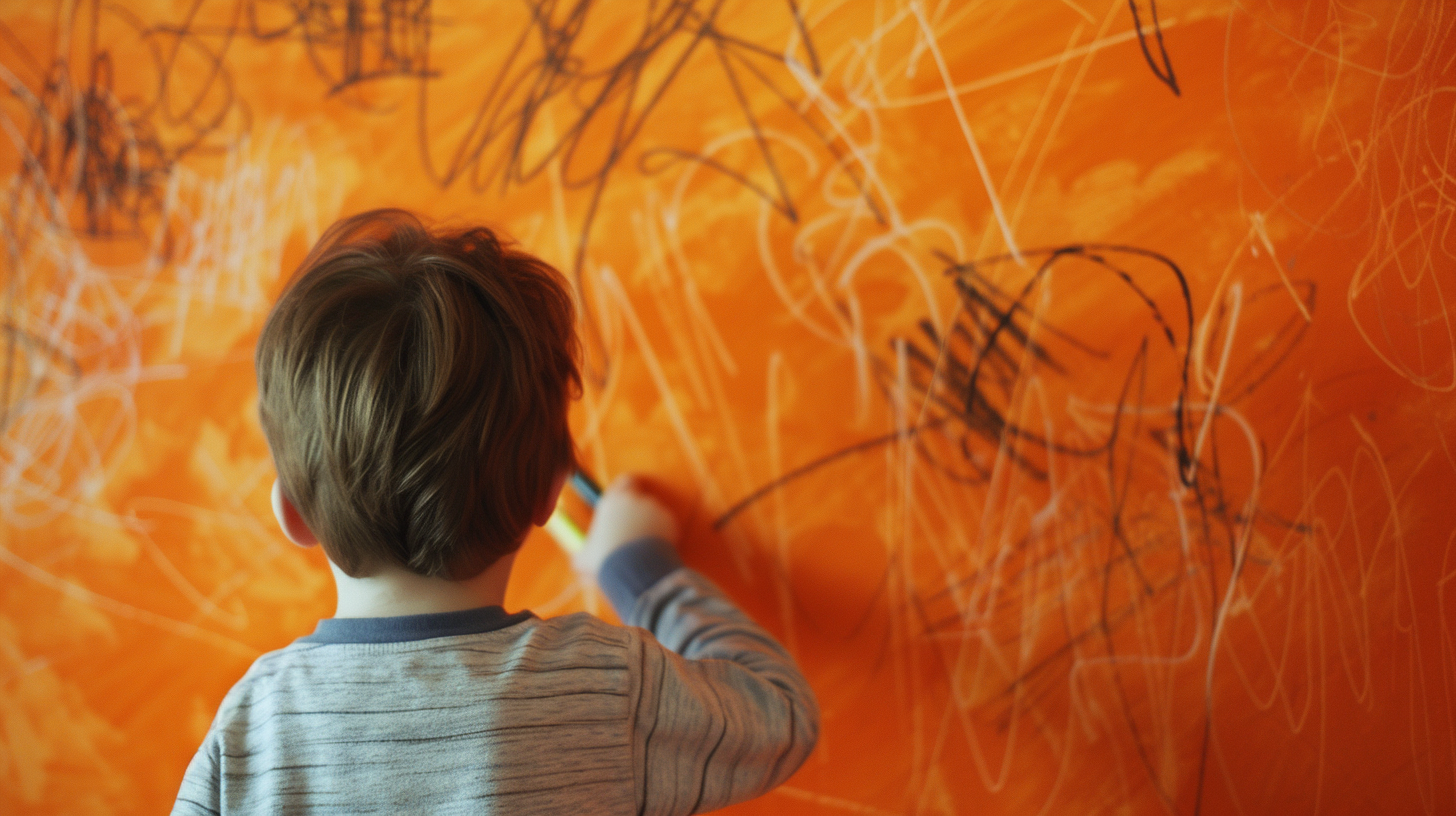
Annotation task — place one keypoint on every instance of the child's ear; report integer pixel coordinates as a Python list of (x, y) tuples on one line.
[(289, 519), (543, 514)]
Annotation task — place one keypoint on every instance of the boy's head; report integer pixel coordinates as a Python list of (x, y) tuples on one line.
[(413, 387)]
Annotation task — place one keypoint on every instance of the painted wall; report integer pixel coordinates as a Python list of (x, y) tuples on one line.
[(1074, 399)]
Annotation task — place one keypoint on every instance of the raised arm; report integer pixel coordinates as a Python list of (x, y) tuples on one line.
[(722, 714)]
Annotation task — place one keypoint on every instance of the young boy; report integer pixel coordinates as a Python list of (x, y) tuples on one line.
[(413, 388)]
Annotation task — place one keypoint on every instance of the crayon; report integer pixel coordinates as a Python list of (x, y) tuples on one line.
[(585, 487), (566, 533), (561, 527)]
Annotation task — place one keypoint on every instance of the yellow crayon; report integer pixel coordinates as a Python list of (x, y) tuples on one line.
[(565, 531)]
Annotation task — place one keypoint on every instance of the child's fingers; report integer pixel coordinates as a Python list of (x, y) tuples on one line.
[(628, 511), (625, 482)]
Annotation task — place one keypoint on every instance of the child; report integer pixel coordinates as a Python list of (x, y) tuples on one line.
[(413, 388)]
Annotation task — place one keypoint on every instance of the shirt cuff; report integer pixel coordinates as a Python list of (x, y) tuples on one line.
[(633, 568)]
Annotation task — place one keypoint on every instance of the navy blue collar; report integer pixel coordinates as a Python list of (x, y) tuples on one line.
[(414, 627)]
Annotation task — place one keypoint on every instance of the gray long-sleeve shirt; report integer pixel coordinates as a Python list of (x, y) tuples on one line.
[(484, 712)]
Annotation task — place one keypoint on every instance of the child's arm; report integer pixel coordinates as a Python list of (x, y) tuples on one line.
[(722, 714)]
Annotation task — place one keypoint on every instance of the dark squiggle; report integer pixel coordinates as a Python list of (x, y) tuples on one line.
[(351, 42), (967, 378), (1164, 73), (612, 104), (117, 153), (96, 163), (968, 375)]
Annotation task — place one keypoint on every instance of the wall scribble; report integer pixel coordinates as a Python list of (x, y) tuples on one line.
[(1082, 425)]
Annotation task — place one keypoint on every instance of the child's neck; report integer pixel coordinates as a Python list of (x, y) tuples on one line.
[(397, 591)]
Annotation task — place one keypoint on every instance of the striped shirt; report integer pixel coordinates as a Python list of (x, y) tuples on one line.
[(484, 712)]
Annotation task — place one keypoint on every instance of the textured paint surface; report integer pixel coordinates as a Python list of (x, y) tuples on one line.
[(1075, 404)]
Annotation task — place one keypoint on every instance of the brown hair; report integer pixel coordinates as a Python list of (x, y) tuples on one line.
[(413, 387)]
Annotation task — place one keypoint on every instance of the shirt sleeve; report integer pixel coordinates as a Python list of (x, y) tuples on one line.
[(722, 714), (201, 792)]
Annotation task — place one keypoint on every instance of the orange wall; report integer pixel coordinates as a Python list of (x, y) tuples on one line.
[(1094, 436)]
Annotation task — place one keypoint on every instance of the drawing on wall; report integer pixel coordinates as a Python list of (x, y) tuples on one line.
[(1068, 385)]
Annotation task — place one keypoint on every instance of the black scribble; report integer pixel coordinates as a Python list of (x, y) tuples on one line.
[(814, 465), (587, 111), (351, 41), (969, 381), (778, 198), (968, 377), (96, 161), (99, 159), (82, 140), (1164, 72), (971, 374)]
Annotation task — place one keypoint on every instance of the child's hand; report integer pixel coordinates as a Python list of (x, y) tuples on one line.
[(623, 514)]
